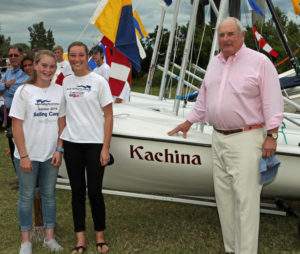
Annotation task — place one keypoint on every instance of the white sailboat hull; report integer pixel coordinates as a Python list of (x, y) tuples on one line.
[(149, 161), (133, 173)]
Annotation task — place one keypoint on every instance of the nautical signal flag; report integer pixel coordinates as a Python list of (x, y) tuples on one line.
[(119, 72), (114, 19), (254, 5), (139, 26), (140, 32), (263, 44), (296, 4)]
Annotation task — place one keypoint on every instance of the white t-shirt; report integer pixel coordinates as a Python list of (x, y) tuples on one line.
[(103, 70), (82, 105), (39, 110), (62, 67)]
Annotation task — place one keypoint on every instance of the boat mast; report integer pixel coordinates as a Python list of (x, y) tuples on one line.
[(223, 12), (155, 50), (186, 53), (214, 7), (169, 50), (282, 35)]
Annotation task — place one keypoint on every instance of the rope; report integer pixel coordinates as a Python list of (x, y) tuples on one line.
[(156, 57), (86, 26), (83, 31), (199, 53), (170, 80), (282, 130), (188, 89)]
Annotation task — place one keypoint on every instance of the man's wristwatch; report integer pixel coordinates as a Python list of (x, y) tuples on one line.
[(59, 149), (273, 135)]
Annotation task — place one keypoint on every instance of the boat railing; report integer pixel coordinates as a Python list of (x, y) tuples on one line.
[(291, 120), (199, 127), (292, 103)]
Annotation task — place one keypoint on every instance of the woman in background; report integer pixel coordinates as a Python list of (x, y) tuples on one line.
[(35, 112), (27, 65)]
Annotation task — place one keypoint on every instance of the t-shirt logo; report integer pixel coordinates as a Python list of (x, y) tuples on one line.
[(46, 108), (85, 87), (79, 90), (41, 102)]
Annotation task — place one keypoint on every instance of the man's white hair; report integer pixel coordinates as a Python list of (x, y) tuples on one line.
[(238, 23)]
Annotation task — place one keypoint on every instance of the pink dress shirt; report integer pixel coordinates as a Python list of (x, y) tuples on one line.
[(242, 91)]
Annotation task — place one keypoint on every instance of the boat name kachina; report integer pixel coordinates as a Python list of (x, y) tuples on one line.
[(138, 152)]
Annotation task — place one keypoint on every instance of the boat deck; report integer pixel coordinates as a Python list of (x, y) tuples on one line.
[(147, 117)]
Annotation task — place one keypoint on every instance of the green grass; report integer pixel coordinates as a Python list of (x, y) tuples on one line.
[(141, 226), (139, 85)]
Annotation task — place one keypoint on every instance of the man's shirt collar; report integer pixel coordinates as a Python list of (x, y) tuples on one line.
[(221, 57)]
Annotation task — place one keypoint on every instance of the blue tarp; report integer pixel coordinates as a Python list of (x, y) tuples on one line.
[(289, 82)]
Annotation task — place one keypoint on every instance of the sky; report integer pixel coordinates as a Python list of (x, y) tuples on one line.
[(68, 19)]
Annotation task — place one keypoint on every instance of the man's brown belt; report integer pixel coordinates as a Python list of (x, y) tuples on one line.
[(247, 128)]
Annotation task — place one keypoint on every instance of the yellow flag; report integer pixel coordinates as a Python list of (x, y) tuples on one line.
[(107, 17), (65, 56), (296, 4)]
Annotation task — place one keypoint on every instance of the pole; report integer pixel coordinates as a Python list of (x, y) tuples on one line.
[(169, 50), (214, 7), (155, 51), (223, 11), (194, 76), (174, 76), (186, 53)]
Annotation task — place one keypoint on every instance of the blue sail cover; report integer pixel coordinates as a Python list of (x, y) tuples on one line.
[(289, 82), (168, 2), (189, 97)]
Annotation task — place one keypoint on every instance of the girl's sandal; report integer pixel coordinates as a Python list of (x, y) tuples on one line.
[(78, 249), (102, 247)]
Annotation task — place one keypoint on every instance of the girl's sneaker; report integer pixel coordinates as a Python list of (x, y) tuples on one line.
[(52, 245), (26, 248)]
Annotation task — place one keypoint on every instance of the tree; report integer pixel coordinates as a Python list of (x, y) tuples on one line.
[(40, 38), (4, 45), (23, 46), (267, 29)]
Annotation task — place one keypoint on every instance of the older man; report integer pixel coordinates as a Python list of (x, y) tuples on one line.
[(14, 76), (11, 80), (240, 96)]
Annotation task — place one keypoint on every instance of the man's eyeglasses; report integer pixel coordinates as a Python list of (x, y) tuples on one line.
[(13, 55), (27, 65), (229, 34)]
